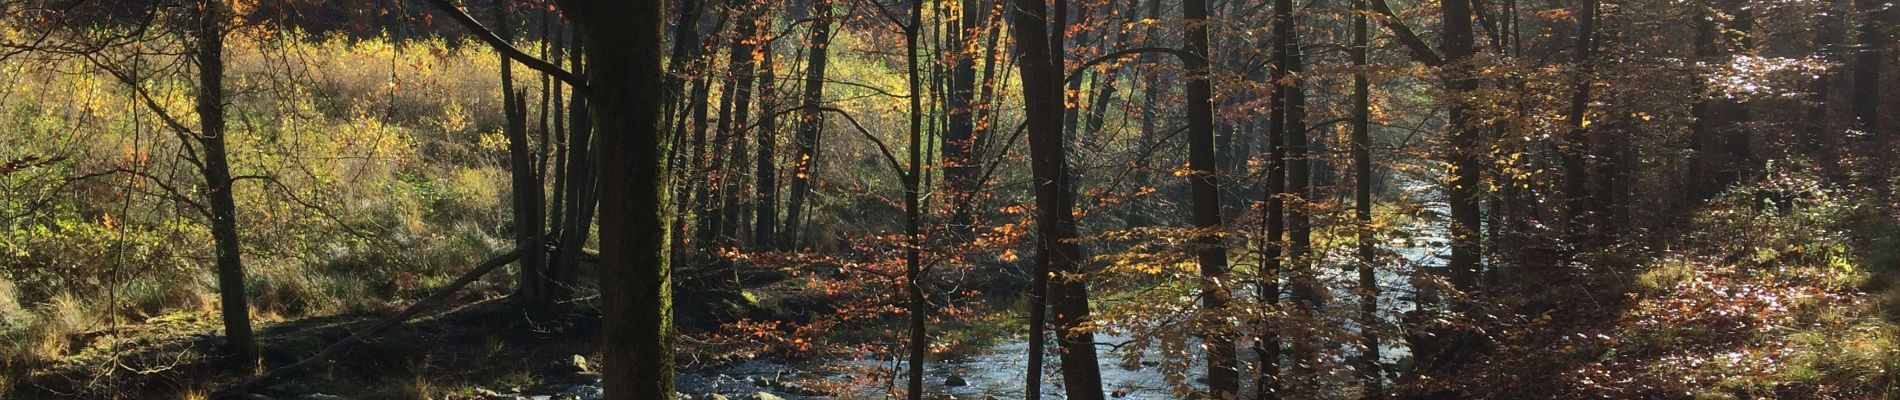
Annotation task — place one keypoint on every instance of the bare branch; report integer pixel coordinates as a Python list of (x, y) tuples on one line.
[(507, 49), (1091, 63), (1420, 50), (888, 156)]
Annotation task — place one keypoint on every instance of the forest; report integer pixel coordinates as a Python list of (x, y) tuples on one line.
[(949, 199)]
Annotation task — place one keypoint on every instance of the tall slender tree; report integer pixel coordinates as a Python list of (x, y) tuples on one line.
[(810, 122), (913, 208), (1872, 45), (1223, 375), (1039, 41), (1464, 150), (765, 226), (526, 187), (582, 194), (959, 138), (1273, 242), (239, 343), (1370, 371), (743, 76), (1301, 277), (1575, 147)]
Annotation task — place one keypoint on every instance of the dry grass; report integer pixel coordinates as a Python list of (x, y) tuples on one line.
[(381, 179)]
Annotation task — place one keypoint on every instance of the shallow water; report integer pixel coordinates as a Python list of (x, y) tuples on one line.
[(1000, 371)]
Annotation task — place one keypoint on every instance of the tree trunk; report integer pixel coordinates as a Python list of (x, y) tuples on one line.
[(1304, 281), (1741, 159), (1369, 321), (913, 212), (1041, 66), (707, 197), (1720, 139), (1465, 149), (810, 123), (525, 186), (1223, 379), (557, 201), (239, 343), (686, 48), (1867, 67), (581, 194), (742, 66), (625, 88), (679, 105), (1137, 214), (1704, 124), (1582, 218), (766, 225), (959, 139), (1821, 90), (1273, 243)]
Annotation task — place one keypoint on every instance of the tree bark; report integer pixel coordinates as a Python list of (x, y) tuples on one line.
[(627, 86), (1269, 385), (1306, 290), (525, 186), (810, 123), (1040, 43), (1461, 79), (1583, 219), (1370, 367), (913, 211), (582, 191), (1867, 66), (1821, 90), (742, 66), (1223, 379), (239, 343), (765, 226), (961, 167)]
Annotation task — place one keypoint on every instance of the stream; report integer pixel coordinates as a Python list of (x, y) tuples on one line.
[(999, 372)]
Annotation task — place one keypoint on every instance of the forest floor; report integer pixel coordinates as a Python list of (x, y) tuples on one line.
[(484, 348), (1755, 297), (1747, 299), (449, 354)]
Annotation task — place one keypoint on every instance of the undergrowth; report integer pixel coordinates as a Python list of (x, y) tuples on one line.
[(1777, 289)]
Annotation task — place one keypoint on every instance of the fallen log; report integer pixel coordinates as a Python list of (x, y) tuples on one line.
[(392, 321)]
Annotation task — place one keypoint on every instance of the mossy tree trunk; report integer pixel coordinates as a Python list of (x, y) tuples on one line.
[(625, 87)]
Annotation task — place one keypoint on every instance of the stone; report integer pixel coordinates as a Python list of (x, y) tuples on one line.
[(955, 381), (714, 396), (580, 364), (801, 390), (764, 396), (320, 396), (566, 367)]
